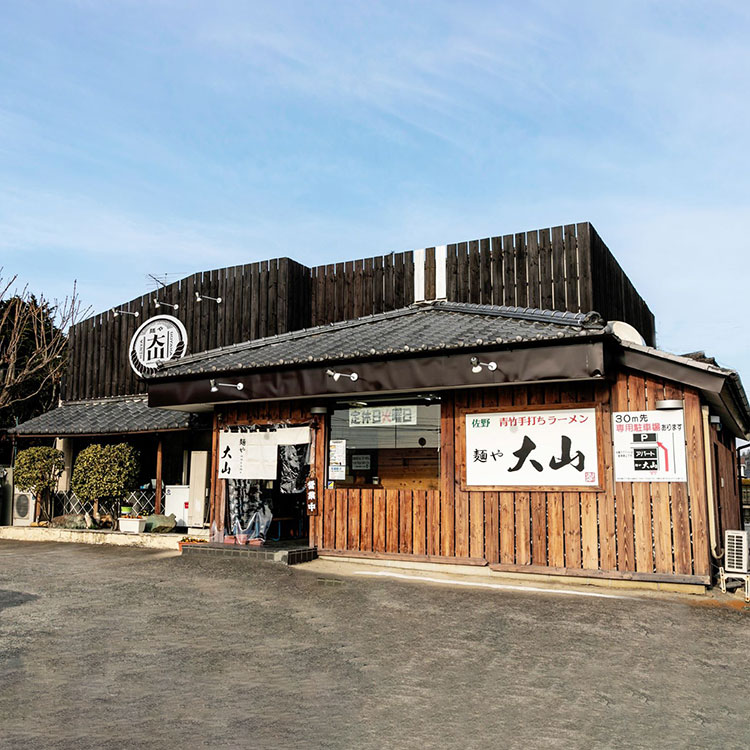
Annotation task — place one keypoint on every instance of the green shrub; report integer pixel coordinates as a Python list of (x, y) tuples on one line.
[(37, 470), (105, 472)]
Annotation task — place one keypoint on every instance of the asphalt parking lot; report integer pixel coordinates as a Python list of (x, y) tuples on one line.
[(106, 647)]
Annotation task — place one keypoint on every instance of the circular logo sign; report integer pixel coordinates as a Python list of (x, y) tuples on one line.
[(159, 339)]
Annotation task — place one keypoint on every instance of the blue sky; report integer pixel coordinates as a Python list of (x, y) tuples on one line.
[(174, 136)]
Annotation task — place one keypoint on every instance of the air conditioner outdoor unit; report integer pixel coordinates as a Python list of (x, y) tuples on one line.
[(23, 508), (736, 560), (736, 552)]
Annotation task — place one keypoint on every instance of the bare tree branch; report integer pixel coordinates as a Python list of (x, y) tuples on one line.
[(33, 341)]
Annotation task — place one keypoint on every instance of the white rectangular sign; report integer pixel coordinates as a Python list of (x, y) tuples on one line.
[(247, 455), (337, 459), (383, 416), (540, 448), (649, 446), (253, 455)]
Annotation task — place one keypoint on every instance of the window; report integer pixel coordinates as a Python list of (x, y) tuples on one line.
[(386, 444)]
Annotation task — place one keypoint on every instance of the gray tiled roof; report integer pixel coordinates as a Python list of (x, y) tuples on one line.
[(437, 326), (105, 416)]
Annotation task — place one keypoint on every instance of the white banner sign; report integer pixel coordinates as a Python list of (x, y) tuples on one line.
[(248, 455), (382, 416), (541, 448), (649, 446), (252, 455), (337, 459)]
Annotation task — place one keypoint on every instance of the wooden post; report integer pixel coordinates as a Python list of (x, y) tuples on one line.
[(157, 504)]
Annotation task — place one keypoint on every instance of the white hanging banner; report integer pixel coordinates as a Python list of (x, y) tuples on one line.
[(649, 446), (247, 455), (539, 448), (253, 455), (292, 435)]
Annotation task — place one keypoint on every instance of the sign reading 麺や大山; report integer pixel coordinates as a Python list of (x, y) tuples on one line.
[(540, 448), (649, 446), (158, 340)]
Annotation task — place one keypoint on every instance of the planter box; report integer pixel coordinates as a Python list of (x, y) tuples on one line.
[(132, 525)]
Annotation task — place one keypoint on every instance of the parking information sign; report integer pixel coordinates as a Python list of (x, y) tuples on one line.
[(649, 446)]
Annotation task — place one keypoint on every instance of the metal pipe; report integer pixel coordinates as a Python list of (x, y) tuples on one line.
[(712, 530)]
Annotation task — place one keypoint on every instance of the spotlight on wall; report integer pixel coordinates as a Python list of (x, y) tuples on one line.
[(336, 375), (476, 365), (215, 386), (200, 297), (165, 304), (115, 313)]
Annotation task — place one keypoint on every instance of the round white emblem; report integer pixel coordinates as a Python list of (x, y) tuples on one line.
[(159, 339)]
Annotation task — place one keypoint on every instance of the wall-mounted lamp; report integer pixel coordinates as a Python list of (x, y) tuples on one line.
[(215, 386), (200, 297), (115, 313), (165, 304), (336, 375), (670, 403), (476, 365)]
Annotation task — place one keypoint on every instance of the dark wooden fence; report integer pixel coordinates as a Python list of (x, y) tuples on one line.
[(561, 268)]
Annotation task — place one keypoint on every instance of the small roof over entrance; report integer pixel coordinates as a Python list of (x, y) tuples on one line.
[(105, 416), (432, 346)]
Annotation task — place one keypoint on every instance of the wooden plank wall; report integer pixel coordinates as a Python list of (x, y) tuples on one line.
[(559, 268), (258, 299), (613, 293), (656, 531), (344, 291), (726, 481)]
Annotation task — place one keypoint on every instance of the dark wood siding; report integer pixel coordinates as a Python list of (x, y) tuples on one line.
[(564, 268)]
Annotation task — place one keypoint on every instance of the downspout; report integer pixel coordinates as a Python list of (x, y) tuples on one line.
[(716, 550)]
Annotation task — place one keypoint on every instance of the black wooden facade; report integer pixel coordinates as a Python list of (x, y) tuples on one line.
[(560, 268)]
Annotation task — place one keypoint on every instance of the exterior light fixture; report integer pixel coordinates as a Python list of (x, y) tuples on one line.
[(670, 403), (115, 313), (215, 386), (336, 375), (476, 365), (200, 297), (165, 304)]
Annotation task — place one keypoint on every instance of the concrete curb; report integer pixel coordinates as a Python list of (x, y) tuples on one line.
[(90, 536), (462, 573)]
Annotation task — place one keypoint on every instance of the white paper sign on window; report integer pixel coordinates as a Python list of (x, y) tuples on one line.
[(337, 459), (649, 446), (544, 448), (383, 416)]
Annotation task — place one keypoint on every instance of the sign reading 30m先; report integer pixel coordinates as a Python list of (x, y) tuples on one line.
[(649, 446)]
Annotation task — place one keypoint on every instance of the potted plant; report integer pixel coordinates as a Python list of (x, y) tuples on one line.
[(132, 524), (107, 472)]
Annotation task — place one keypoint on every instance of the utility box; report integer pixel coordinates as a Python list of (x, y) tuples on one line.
[(176, 500)]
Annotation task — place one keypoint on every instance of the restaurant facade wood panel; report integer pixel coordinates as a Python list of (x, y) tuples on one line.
[(559, 268), (647, 531)]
